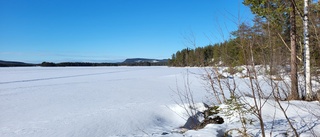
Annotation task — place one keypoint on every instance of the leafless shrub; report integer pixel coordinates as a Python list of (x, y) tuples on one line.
[(214, 82), (185, 96)]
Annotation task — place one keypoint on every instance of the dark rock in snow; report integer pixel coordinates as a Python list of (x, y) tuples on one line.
[(215, 120), (164, 133), (230, 77), (205, 105), (192, 121)]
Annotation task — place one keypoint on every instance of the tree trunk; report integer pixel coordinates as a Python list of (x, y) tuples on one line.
[(308, 89), (294, 82)]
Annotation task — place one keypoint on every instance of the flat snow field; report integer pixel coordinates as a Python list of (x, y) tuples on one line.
[(92, 101), (130, 101)]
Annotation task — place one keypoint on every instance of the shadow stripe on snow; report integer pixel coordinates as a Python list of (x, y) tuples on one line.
[(62, 77)]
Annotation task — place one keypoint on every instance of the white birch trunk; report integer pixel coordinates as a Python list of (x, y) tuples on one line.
[(307, 53)]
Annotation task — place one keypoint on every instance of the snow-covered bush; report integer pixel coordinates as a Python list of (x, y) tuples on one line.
[(237, 112)]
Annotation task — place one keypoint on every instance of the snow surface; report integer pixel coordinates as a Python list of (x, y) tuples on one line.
[(89, 101), (122, 101)]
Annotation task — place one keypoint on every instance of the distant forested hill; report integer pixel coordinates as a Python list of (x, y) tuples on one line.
[(14, 64), (144, 62)]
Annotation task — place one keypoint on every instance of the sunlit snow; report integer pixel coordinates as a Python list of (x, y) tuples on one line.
[(124, 101), (89, 101)]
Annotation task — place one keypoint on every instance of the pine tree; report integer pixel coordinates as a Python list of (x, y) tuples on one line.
[(273, 10)]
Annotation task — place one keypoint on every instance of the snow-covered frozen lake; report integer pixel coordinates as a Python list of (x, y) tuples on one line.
[(91, 101), (128, 101)]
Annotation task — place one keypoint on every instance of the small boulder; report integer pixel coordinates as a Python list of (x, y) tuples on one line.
[(192, 122), (164, 133), (215, 120)]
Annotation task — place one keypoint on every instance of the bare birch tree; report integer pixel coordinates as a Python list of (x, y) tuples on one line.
[(307, 72)]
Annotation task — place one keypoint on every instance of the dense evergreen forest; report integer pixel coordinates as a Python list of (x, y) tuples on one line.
[(265, 41)]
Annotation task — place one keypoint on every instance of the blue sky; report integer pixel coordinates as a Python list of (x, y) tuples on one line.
[(108, 30)]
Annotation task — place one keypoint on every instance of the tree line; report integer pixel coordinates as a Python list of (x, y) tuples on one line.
[(268, 40), (283, 33), (89, 64)]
